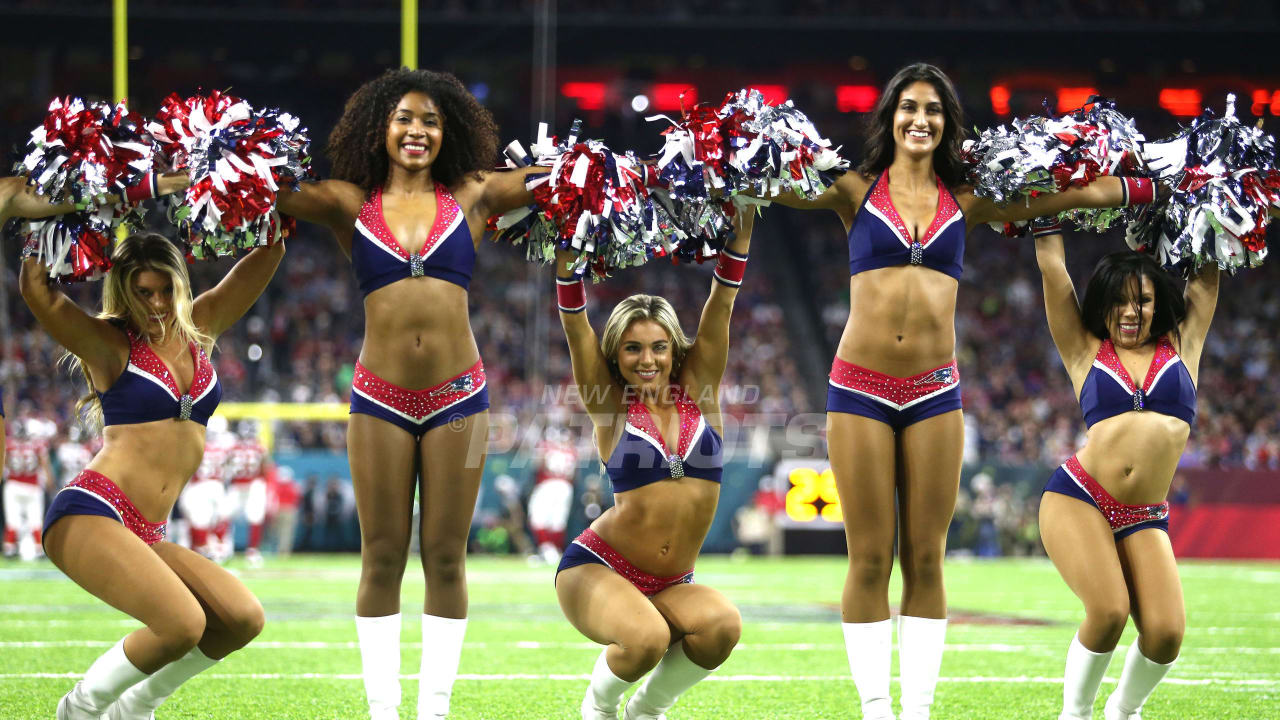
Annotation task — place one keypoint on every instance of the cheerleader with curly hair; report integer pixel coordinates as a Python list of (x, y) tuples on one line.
[(407, 202)]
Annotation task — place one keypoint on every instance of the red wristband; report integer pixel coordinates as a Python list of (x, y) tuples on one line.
[(1138, 191), (1046, 226), (571, 294), (730, 268), (144, 190)]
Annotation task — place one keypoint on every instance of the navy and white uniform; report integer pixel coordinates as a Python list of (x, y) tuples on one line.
[(379, 259)]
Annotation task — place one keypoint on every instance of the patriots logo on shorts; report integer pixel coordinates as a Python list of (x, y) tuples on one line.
[(463, 384), (941, 376)]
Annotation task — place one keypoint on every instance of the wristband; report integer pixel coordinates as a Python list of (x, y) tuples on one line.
[(1138, 191), (144, 190), (571, 294), (1043, 226), (730, 268)]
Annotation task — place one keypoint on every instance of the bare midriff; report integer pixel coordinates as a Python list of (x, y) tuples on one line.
[(901, 320), (417, 333), (151, 462), (1134, 455), (659, 527)]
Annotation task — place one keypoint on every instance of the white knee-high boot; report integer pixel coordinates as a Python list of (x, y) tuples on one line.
[(869, 647), (104, 682), (140, 701), (920, 643), (1139, 679), (675, 674), (441, 652), (604, 692), (1080, 682), (380, 664)]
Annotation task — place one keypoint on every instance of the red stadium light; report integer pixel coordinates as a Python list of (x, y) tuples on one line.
[(1261, 98), (1275, 103), (856, 98), (590, 95), (1070, 98), (1182, 102), (773, 94), (666, 96), (1000, 99)]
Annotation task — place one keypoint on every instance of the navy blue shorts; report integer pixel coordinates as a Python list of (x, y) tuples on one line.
[(1061, 482)]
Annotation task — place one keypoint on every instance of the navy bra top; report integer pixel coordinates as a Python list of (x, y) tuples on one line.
[(379, 259), (1109, 391), (146, 390), (642, 457), (879, 238)]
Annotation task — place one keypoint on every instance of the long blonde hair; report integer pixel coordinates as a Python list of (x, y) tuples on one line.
[(634, 309), (122, 306)]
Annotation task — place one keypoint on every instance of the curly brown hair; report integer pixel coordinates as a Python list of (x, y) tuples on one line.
[(357, 145)]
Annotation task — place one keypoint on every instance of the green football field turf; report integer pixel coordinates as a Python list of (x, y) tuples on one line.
[(1011, 622)]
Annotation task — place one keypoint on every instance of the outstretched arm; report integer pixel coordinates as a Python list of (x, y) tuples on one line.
[(332, 203), (218, 309), (18, 199), (1061, 307), (591, 374), (704, 366), (1101, 193)]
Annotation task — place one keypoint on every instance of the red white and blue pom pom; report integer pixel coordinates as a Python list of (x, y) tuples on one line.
[(237, 158), (1224, 183), (87, 153), (591, 200), (1038, 155), (76, 247)]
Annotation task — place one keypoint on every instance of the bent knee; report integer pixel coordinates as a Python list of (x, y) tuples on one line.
[(1108, 619), (1163, 642), (179, 632), (645, 646), (713, 642), (246, 622)]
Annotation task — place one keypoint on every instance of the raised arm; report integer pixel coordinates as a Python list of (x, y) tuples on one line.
[(332, 203), (1075, 344), (1101, 193), (18, 199), (705, 363), (1201, 295), (102, 348), (217, 309), (596, 386)]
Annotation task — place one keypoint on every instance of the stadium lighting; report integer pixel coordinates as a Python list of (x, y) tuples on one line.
[(255, 352), (773, 94), (856, 98), (1181, 102), (666, 96), (589, 95), (1070, 98), (640, 103), (1000, 99)]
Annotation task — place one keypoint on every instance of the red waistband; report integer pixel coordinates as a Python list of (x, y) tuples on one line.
[(896, 390), (101, 486), (1118, 515), (648, 584), (419, 404)]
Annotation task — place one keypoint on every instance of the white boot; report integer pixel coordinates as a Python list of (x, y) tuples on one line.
[(1080, 682), (920, 642), (869, 647), (674, 674), (604, 692), (105, 680), (441, 652), (380, 664), (1139, 678), (140, 701)]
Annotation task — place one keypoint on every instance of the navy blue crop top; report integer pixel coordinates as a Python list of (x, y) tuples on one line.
[(146, 390), (879, 238), (1109, 391), (642, 457), (379, 259)]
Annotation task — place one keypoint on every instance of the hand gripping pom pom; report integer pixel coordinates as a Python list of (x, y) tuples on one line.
[(1224, 184), (237, 158)]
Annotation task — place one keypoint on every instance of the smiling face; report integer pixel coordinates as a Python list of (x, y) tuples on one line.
[(1129, 322), (155, 291), (415, 132), (918, 119), (644, 357)]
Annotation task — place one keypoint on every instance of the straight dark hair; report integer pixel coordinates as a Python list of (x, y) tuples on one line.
[(1107, 289), (879, 147)]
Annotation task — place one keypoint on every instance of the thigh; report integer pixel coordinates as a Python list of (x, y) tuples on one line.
[(863, 455), (226, 600), (452, 459), (1079, 541), (103, 557), (930, 456), (690, 607), (383, 461), (603, 605), (1155, 591)]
